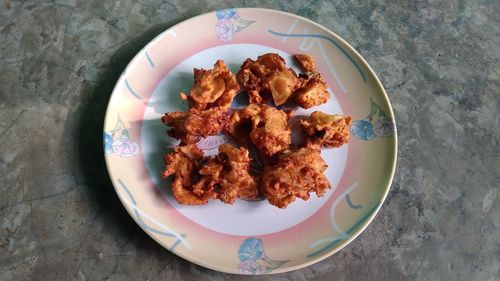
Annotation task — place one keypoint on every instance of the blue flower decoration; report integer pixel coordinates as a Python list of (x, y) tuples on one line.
[(363, 129), (226, 13), (108, 143), (250, 249)]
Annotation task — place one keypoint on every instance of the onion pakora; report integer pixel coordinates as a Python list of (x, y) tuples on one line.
[(268, 75), (306, 62), (326, 130), (193, 125), (279, 174), (227, 177), (213, 88), (296, 174), (313, 91), (182, 163), (262, 125)]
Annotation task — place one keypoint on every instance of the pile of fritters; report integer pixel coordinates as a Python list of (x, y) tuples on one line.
[(289, 172)]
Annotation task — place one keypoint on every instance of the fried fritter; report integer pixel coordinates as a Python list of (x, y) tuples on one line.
[(312, 92), (237, 171), (326, 130), (268, 75), (240, 124), (227, 176), (282, 84), (193, 125), (313, 88), (285, 174), (213, 88), (182, 163), (306, 62), (296, 174), (208, 183), (264, 126)]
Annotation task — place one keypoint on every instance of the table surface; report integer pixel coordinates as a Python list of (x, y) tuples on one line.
[(61, 220)]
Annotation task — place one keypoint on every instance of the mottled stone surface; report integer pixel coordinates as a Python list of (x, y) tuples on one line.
[(61, 220)]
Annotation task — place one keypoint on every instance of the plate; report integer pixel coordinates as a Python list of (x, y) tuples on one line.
[(248, 237)]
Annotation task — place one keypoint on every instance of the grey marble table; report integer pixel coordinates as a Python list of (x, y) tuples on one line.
[(61, 220)]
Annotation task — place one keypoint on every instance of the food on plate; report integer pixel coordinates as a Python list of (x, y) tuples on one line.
[(213, 88), (312, 92), (282, 171), (326, 130), (282, 84), (181, 164), (193, 125), (227, 177), (306, 62), (313, 89), (262, 125), (296, 174), (267, 77)]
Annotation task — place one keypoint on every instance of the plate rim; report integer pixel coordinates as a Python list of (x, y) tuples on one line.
[(345, 242)]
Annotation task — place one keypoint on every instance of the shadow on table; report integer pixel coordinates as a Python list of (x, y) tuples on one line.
[(90, 165)]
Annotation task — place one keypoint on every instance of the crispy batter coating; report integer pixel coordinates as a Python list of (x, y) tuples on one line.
[(282, 173), (282, 84), (312, 92), (326, 130), (227, 176), (296, 174), (306, 62), (264, 126), (267, 75), (213, 88), (176, 121), (236, 175), (208, 183), (195, 124), (271, 133), (240, 124), (313, 88), (182, 163)]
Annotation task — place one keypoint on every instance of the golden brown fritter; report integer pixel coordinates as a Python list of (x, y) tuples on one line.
[(236, 171), (284, 174), (193, 125), (312, 92), (267, 77), (326, 130), (306, 62), (282, 84), (181, 164), (296, 174), (213, 88), (176, 121), (208, 183), (240, 124), (227, 176), (313, 88), (264, 126)]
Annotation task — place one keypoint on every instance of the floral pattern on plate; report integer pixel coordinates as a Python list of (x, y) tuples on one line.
[(117, 141), (228, 23), (253, 259), (376, 124)]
